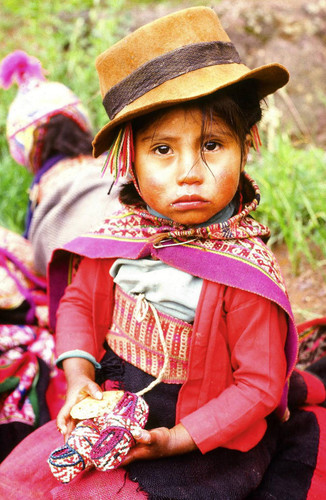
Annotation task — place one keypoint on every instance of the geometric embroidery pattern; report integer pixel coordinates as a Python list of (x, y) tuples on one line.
[(138, 342)]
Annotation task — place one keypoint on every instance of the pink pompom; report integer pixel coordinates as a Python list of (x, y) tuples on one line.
[(20, 67)]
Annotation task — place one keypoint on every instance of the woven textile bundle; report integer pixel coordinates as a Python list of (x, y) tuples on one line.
[(102, 441)]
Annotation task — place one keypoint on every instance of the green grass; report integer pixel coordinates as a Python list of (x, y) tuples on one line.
[(293, 188), (13, 193)]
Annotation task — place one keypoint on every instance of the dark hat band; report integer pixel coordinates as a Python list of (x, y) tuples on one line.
[(166, 67)]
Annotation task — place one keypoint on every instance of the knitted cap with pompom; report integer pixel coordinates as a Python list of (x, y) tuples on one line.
[(37, 100)]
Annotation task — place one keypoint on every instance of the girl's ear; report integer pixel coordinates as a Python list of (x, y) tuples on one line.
[(247, 144)]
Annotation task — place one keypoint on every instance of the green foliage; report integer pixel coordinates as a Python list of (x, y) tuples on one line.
[(13, 192), (293, 188)]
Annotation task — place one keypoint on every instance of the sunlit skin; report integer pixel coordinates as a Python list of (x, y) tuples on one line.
[(182, 175)]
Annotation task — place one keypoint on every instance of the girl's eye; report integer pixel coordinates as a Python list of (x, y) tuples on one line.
[(162, 150), (211, 146)]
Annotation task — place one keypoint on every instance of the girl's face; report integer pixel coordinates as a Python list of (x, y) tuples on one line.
[(183, 175)]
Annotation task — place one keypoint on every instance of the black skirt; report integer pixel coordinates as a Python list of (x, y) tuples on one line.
[(281, 466)]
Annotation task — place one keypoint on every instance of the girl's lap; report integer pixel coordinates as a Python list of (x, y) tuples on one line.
[(290, 455), (25, 473)]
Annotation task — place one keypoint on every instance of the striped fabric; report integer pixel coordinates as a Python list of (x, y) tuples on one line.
[(138, 342)]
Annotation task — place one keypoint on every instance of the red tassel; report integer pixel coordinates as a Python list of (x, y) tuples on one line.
[(256, 142)]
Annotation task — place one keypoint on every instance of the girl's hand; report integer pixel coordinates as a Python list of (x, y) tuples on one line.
[(80, 375), (160, 442)]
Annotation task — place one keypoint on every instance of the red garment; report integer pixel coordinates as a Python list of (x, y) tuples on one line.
[(237, 365)]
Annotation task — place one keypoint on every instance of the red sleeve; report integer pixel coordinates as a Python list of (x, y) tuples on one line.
[(256, 330), (84, 311)]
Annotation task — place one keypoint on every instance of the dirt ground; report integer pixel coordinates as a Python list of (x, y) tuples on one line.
[(307, 290)]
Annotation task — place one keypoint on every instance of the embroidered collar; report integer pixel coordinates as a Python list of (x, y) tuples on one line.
[(140, 224)]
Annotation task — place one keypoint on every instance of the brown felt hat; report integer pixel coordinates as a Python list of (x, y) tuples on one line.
[(174, 59)]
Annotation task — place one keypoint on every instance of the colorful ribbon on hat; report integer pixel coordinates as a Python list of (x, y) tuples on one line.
[(255, 137), (120, 156)]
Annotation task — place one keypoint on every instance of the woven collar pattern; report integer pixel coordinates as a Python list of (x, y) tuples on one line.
[(135, 223), (137, 233)]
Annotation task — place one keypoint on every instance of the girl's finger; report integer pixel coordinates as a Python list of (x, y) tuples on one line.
[(142, 436), (62, 421), (93, 390), (70, 427)]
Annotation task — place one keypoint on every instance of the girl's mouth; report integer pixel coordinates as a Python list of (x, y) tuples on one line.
[(189, 202)]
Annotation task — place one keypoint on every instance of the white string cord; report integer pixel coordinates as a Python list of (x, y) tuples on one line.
[(141, 310), (160, 244)]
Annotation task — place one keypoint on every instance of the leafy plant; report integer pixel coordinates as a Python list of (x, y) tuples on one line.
[(293, 188), (13, 193)]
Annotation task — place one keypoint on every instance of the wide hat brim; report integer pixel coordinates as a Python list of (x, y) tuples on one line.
[(189, 85)]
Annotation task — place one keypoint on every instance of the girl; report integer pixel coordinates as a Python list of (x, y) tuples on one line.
[(176, 296)]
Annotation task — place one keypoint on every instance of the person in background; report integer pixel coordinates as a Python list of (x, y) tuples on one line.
[(49, 132)]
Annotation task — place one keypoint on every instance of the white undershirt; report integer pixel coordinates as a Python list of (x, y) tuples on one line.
[(170, 290)]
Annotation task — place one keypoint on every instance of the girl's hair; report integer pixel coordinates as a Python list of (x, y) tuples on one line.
[(237, 105), (61, 135)]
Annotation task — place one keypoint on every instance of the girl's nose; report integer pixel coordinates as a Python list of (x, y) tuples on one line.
[(190, 169)]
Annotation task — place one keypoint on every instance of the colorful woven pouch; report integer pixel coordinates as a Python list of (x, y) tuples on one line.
[(116, 439), (102, 441)]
